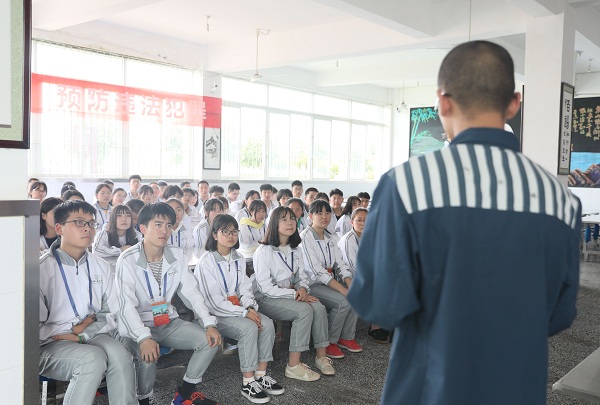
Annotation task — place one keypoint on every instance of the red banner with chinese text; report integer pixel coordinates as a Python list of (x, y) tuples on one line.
[(51, 93)]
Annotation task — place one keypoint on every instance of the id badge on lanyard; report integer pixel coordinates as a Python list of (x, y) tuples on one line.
[(160, 309), (234, 299)]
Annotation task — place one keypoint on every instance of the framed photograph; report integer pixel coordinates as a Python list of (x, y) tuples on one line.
[(15, 72), (567, 93), (212, 149)]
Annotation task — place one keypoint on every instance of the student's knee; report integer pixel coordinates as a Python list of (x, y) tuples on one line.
[(318, 310), (305, 312), (267, 325), (93, 361)]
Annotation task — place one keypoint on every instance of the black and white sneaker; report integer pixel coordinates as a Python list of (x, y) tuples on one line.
[(254, 392), (270, 385)]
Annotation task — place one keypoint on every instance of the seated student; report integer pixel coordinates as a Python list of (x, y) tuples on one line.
[(297, 206), (329, 279), (216, 191), (365, 198), (181, 236), (309, 197), (185, 184), (213, 207), (172, 191), (282, 292), (252, 231), (233, 193), (146, 194), (225, 204), (221, 275), (47, 232), (30, 182), (118, 236), (297, 189), (266, 193), (118, 197), (203, 192), (189, 199), (38, 191), (135, 181), (243, 211), (348, 245), (336, 198), (135, 206), (155, 189), (78, 337), (102, 204), (161, 189), (282, 196), (72, 194), (147, 276), (343, 225), (332, 220)]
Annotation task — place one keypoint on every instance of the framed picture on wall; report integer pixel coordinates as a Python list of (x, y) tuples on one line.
[(212, 149), (15, 71)]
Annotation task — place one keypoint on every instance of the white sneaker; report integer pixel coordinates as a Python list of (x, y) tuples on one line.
[(301, 372), (325, 365)]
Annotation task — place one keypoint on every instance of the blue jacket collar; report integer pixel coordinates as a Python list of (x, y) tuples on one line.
[(488, 136)]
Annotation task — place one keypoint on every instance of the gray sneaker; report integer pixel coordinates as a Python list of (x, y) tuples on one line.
[(301, 372), (325, 365)]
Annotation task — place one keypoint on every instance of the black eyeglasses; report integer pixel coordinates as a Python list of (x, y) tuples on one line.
[(226, 232), (80, 223)]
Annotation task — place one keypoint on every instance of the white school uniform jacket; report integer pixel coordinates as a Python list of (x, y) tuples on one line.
[(200, 234), (194, 216), (235, 206), (57, 316), (320, 254), (102, 216), (43, 245), (103, 249), (218, 279), (271, 206), (135, 305), (181, 237), (250, 236), (343, 225), (332, 224), (348, 245), (302, 224), (242, 213), (279, 274)]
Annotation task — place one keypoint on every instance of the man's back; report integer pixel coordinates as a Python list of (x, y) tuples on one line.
[(472, 254)]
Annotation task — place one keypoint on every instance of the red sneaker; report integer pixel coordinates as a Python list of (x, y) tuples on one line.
[(334, 352), (350, 345)]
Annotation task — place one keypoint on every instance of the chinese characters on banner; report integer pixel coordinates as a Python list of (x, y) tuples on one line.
[(50, 93), (564, 147)]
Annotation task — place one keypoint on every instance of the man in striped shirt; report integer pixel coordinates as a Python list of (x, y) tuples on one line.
[(471, 253)]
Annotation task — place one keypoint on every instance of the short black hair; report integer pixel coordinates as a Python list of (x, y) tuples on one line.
[(47, 205), (66, 188), (357, 210), (256, 205), (100, 186), (322, 196), (272, 233), (211, 204), (222, 221), (70, 193), (233, 187), (318, 206), (171, 191), (69, 183), (63, 210), (216, 189), (135, 176), (336, 191), (479, 76), (203, 182), (310, 190), (283, 193), (364, 194), (188, 190), (109, 182), (296, 200), (297, 183), (135, 205), (154, 210), (349, 203), (161, 183), (248, 195), (184, 183), (266, 187)]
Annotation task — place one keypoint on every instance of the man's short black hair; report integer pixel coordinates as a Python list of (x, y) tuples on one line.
[(154, 210), (310, 190), (266, 187), (216, 189), (183, 183), (203, 182), (63, 210), (135, 205), (478, 76), (161, 183), (364, 194), (135, 176), (70, 193), (322, 196), (172, 191), (222, 221), (233, 187), (297, 183), (336, 191)]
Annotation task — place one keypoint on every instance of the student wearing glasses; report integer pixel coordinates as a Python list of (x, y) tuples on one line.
[(135, 182), (221, 274), (38, 190), (213, 207), (78, 337)]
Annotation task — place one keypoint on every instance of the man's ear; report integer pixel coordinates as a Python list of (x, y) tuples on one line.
[(143, 229), (514, 106), (58, 229), (445, 106)]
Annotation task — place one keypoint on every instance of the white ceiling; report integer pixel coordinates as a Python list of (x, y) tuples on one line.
[(384, 43)]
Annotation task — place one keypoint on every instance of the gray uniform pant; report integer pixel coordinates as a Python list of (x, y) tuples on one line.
[(254, 346), (305, 317), (84, 365), (177, 334), (342, 319)]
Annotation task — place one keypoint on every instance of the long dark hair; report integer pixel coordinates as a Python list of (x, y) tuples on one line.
[(222, 221), (349, 203), (272, 234), (48, 204), (257, 205), (113, 237), (248, 195)]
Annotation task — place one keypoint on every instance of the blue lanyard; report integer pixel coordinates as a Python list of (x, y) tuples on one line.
[(178, 238), (252, 233), (286, 263), (355, 237), (150, 287), (329, 250), (100, 209), (237, 277), (64, 277)]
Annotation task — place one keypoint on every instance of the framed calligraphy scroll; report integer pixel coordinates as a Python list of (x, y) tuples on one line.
[(567, 93), (15, 70)]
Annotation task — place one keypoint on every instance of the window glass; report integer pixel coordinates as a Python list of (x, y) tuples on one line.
[(287, 99), (334, 107), (230, 141), (279, 145), (357, 152), (321, 149), (366, 112), (244, 91), (300, 142), (252, 143)]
